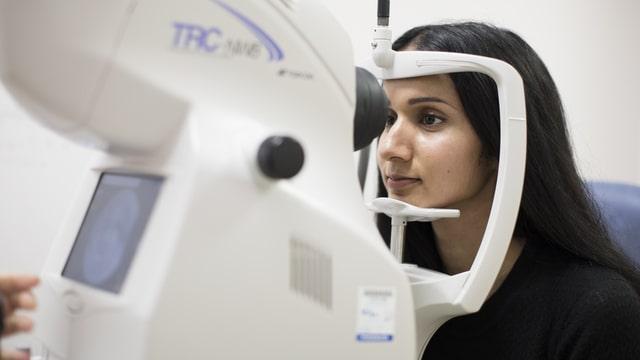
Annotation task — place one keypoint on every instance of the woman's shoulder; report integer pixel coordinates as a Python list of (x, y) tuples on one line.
[(578, 281), (596, 311), (599, 316), (589, 281), (592, 289)]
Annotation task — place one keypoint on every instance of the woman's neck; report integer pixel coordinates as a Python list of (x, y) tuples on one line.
[(458, 240)]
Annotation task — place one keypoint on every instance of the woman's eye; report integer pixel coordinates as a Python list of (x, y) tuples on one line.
[(391, 119), (430, 120)]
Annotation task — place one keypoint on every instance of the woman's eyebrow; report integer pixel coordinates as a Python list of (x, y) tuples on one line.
[(417, 100), (435, 99)]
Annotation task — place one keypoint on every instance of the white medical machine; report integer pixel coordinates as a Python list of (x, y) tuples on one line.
[(225, 219), (439, 297)]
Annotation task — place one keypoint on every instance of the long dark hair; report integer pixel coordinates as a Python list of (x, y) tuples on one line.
[(555, 208)]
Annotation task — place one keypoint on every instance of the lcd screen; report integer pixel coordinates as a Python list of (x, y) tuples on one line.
[(111, 230)]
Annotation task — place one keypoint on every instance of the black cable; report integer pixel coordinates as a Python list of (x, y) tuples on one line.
[(383, 12)]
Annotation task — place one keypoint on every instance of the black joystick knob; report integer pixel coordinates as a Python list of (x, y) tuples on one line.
[(280, 157)]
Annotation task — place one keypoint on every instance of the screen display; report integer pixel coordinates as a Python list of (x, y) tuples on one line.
[(111, 230)]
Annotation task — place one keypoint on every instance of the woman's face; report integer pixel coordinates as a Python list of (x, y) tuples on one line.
[(429, 155)]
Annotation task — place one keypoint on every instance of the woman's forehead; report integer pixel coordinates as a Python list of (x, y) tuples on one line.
[(440, 86)]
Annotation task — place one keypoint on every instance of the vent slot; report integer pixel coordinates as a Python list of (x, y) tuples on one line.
[(310, 273)]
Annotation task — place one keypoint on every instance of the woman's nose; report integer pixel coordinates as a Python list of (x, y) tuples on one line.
[(396, 141)]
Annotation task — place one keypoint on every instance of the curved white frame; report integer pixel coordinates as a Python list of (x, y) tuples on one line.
[(439, 297)]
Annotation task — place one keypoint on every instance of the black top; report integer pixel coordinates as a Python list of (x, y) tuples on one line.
[(551, 306)]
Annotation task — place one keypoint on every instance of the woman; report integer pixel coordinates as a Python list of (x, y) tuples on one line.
[(564, 291)]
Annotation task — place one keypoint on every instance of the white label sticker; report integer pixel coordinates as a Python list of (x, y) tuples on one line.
[(376, 314)]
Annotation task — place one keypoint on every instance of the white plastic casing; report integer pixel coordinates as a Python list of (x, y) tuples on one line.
[(228, 264)]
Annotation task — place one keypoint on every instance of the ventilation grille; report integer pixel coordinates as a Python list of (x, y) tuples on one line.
[(310, 273)]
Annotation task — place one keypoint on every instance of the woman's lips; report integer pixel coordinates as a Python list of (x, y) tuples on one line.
[(400, 183)]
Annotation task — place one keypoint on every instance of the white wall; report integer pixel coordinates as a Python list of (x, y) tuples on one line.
[(589, 46), (3, 5), (40, 172)]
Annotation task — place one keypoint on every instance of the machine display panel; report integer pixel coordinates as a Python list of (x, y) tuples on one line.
[(111, 230)]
